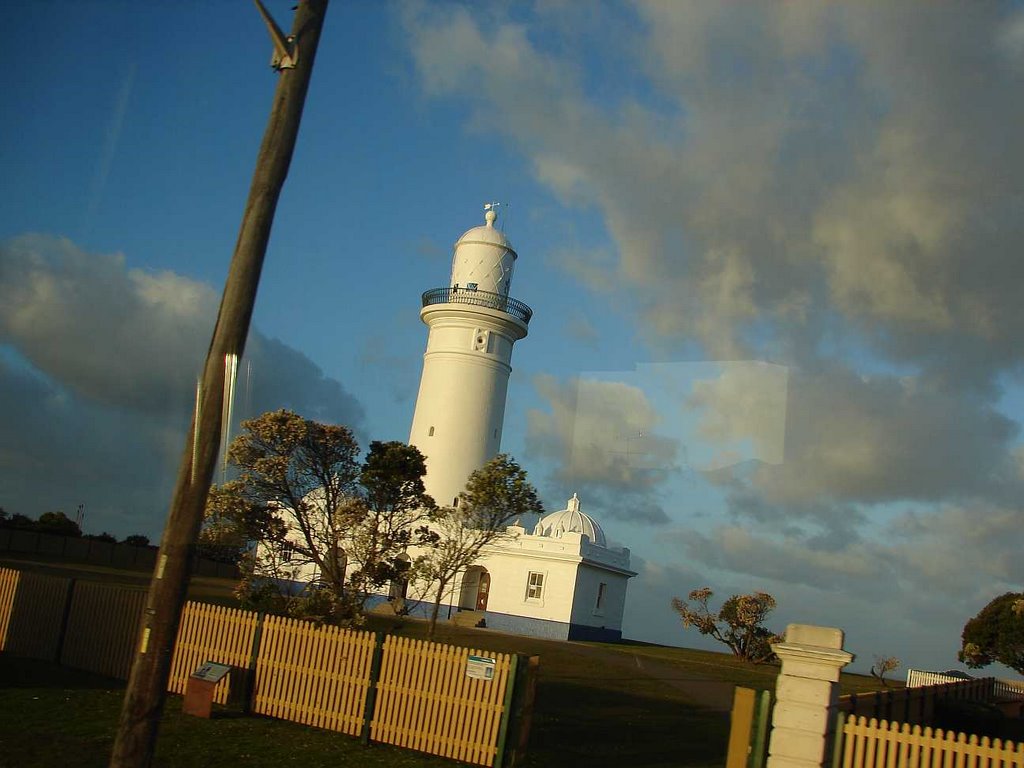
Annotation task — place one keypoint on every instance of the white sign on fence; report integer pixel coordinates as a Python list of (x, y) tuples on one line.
[(480, 667)]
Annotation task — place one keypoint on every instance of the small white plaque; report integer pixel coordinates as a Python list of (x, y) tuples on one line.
[(480, 667)]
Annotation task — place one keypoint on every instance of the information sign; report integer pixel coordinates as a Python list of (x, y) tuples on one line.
[(211, 672), (480, 667)]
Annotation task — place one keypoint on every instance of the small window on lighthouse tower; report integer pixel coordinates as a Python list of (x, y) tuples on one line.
[(431, 432)]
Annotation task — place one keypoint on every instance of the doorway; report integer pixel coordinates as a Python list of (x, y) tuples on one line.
[(476, 586)]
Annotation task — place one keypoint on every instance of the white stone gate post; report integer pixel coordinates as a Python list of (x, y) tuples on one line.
[(807, 687)]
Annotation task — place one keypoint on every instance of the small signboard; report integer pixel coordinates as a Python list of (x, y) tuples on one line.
[(480, 667), (211, 672)]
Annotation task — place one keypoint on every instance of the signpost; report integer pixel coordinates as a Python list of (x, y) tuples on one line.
[(200, 687), (480, 667)]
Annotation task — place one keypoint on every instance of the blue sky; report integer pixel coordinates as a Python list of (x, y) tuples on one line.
[(779, 242)]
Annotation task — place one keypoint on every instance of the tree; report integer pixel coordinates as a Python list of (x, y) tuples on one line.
[(394, 512), (57, 523), (16, 520), (303, 495), (884, 665), (495, 496), (136, 540), (996, 634), (19, 521), (738, 625)]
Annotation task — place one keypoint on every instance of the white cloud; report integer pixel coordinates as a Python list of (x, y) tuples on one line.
[(99, 376), (601, 438), (883, 438), (775, 164), (837, 189), (747, 402)]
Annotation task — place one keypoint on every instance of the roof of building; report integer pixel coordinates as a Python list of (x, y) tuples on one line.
[(487, 233), (571, 520)]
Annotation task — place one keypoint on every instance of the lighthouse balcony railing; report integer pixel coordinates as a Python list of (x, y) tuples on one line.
[(510, 306)]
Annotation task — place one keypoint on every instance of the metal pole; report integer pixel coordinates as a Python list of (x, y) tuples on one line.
[(147, 686)]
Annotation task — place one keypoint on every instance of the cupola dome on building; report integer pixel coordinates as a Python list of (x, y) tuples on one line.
[(571, 520)]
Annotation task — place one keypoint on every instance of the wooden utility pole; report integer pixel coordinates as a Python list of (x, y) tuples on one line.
[(147, 685)]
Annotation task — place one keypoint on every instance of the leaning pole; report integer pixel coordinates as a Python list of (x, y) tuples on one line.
[(147, 686)]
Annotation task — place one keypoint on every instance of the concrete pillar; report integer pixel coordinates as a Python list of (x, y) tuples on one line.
[(807, 687)]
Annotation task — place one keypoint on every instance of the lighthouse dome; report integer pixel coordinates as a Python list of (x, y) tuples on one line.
[(483, 259), (571, 520)]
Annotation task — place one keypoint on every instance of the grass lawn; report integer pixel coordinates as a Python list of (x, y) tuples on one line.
[(53, 716)]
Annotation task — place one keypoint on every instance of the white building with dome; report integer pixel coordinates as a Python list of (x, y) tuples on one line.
[(560, 581)]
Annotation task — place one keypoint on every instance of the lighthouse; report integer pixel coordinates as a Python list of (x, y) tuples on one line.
[(473, 324)]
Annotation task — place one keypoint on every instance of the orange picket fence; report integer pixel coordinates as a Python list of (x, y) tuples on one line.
[(213, 633), (869, 743), (313, 675), (441, 699), (468, 705)]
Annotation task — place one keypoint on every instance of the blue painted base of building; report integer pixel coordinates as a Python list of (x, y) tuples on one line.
[(515, 625), (552, 630)]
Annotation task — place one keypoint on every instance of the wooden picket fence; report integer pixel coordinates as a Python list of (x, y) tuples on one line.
[(106, 646), (31, 614), (875, 741), (399, 691), (213, 633), (427, 702), (867, 743), (314, 675), (1003, 690)]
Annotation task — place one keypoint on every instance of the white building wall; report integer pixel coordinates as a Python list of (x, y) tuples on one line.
[(573, 569), (510, 575), (588, 581)]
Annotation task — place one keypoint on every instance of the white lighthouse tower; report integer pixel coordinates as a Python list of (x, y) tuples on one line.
[(473, 325)]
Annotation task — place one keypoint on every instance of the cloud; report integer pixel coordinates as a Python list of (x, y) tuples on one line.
[(836, 189), (775, 165), (649, 615), (956, 553), (601, 439), (881, 438), (579, 328), (106, 332), (747, 402), (907, 590), (99, 367)]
